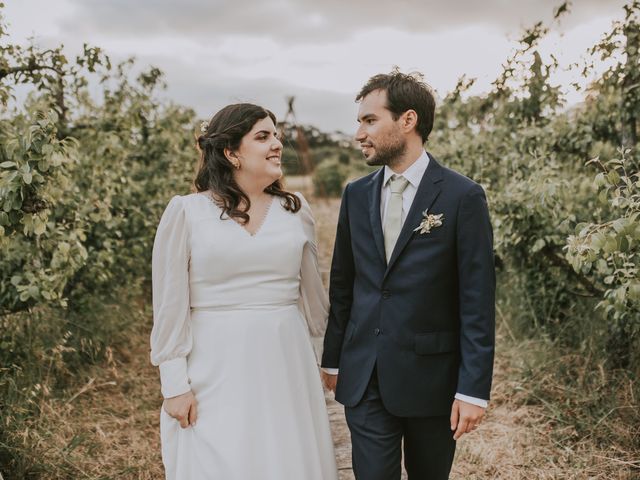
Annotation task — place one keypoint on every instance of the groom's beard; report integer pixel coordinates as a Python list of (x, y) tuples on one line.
[(388, 153)]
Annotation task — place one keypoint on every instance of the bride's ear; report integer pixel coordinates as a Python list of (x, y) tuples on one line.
[(230, 155)]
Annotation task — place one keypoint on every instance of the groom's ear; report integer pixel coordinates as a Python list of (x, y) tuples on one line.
[(409, 121)]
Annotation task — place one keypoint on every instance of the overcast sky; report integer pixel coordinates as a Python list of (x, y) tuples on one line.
[(216, 52)]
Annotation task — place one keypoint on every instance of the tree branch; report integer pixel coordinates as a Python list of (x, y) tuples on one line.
[(562, 263), (27, 68)]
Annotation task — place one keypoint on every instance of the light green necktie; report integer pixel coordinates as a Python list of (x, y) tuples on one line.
[(393, 217)]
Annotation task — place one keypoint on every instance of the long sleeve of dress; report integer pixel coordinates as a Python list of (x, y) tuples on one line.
[(314, 302), (171, 334)]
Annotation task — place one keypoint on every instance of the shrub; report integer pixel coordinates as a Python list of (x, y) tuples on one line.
[(329, 178)]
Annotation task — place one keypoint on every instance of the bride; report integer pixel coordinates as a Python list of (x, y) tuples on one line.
[(236, 290)]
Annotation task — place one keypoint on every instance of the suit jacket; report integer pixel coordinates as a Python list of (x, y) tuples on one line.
[(427, 318)]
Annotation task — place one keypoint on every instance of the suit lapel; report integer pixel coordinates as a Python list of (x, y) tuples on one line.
[(427, 193), (375, 189)]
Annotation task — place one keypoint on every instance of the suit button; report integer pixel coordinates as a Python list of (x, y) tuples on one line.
[(376, 331), (386, 294)]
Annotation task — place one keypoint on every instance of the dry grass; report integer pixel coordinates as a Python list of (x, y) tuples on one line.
[(521, 437), (107, 426)]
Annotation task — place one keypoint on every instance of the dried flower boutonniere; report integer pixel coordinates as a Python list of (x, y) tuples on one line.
[(429, 221)]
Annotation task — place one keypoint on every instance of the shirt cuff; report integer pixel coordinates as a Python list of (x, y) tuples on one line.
[(472, 400), (174, 378), (330, 371)]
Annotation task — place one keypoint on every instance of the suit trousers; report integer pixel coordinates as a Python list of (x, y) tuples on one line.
[(377, 439)]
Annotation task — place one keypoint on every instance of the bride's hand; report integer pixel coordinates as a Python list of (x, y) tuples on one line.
[(183, 408)]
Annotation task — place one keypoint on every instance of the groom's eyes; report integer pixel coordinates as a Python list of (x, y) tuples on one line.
[(368, 120)]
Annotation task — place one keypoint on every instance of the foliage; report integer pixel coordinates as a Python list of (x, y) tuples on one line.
[(607, 251), (292, 164), (37, 171), (80, 200), (329, 178), (83, 181), (530, 156)]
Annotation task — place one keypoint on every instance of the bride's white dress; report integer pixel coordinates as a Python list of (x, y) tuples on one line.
[(232, 315)]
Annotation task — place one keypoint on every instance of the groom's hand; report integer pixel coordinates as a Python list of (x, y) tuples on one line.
[(465, 417), (329, 380), (183, 408)]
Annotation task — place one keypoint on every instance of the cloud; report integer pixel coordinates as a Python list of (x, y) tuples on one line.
[(325, 79), (312, 21), (207, 93), (214, 53)]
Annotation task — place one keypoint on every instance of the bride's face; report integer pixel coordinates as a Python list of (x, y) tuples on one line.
[(260, 153)]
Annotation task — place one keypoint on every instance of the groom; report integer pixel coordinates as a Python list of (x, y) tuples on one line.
[(409, 345)]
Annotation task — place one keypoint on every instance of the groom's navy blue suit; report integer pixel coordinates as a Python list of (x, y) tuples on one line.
[(419, 329)]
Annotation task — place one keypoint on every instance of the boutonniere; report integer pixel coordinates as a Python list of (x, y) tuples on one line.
[(429, 221)]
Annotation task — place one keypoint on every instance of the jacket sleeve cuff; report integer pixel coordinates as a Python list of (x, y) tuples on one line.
[(174, 378), (472, 400)]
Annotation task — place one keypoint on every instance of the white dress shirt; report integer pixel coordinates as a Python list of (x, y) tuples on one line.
[(414, 175)]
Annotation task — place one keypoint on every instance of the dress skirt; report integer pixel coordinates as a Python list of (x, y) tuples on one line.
[(261, 410)]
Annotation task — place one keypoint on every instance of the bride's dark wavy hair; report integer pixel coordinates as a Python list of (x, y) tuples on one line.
[(225, 130)]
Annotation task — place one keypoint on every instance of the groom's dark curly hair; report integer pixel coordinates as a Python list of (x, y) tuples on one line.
[(405, 92)]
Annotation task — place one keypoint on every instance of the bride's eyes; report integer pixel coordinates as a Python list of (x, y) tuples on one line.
[(265, 136)]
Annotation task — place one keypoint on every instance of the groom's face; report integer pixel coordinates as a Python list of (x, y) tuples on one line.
[(379, 135)]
